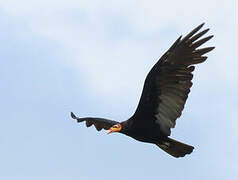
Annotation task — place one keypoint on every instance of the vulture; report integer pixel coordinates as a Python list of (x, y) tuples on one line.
[(164, 94)]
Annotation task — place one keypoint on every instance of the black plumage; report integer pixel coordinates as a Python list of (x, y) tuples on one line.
[(165, 92)]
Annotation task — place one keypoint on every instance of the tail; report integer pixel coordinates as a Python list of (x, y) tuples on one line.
[(175, 148)]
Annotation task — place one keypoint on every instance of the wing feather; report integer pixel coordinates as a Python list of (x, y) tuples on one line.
[(168, 84), (99, 123)]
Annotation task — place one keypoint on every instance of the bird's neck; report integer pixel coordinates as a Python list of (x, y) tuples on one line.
[(126, 126)]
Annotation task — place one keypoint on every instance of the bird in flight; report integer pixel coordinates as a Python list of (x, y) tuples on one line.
[(164, 94)]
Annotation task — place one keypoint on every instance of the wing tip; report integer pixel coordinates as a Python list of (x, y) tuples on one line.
[(200, 26), (77, 118), (211, 48), (200, 42), (73, 115), (194, 31), (206, 30), (211, 36)]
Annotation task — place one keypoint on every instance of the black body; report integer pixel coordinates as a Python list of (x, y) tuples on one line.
[(165, 92)]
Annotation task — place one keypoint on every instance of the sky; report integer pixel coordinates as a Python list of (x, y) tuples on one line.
[(91, 57)]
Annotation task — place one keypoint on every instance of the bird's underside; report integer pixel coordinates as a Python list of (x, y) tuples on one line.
[(164, 95)]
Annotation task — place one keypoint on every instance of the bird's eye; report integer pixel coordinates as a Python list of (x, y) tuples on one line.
[(115, 126)]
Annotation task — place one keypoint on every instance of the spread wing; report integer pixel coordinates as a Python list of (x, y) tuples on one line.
[(99, 123), (168, 83)]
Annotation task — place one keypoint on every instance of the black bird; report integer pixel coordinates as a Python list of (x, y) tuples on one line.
[(165, 92)]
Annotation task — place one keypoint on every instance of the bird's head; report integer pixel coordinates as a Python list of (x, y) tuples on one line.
[(115, 128)]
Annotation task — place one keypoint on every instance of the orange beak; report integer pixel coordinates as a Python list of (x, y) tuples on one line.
[(109, 131), (114, 129)]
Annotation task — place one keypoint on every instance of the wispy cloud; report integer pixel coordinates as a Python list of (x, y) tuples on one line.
[(109, 47)]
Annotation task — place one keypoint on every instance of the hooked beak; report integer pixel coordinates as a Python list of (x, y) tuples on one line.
[(114, 129), (109, 131)]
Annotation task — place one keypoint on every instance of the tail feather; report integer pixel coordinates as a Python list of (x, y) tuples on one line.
[(175, 148)]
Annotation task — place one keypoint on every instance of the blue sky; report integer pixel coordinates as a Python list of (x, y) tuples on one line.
[(91, 57)]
